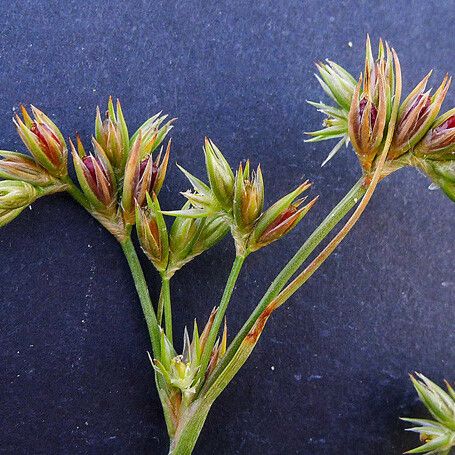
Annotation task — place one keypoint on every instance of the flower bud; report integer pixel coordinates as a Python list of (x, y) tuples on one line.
[(142, 177), (44, 141), (190, 237), (95, 176), (152, 233), (438, 435), (416, 115), (248, 197), (16, 194), (112, 135), (16, 166), (439, 142), (280, 219), (363, 108), (371, 106), (179, 371), (182, 372), (220, 174)]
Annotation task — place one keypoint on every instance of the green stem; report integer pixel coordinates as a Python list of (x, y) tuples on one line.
[(166, 302), (225, 299), (189, 428), (160, 307), (318, 235), (143, 293)]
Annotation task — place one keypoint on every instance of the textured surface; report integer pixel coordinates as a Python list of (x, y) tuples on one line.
[(330, 375)]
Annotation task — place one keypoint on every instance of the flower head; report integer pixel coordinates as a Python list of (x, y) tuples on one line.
[(142, 176), (44, 140), (17, 166), (416, 115), (371, 106), (242, 213), (363, 108), (181, 371), (95, 176), (248, 197), (280, 218), (152, 233), (111, 133), (439, 142), (437, 435)]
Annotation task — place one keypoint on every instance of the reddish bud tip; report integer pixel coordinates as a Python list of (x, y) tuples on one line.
[(448, 124)]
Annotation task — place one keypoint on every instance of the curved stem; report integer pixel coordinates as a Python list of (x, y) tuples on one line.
[(165, 299), (318, 235), (221, 311), (381, 160), (143, 293)]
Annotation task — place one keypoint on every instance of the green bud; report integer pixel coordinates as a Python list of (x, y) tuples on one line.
[(336, 82), (16, 194), (152, 233), (202, 198), (153, 133), (442, 174), (437, 435), (190, 237), (220, 174), (16, 166), (112, 135)]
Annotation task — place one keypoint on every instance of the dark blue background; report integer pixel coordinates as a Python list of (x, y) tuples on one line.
[(74, 374)]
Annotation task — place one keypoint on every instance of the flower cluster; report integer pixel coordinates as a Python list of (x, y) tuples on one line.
[(121, 169), (27, 178), (362, 116), (181, 371), (437, 435), (115, 176), (238, 200)]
